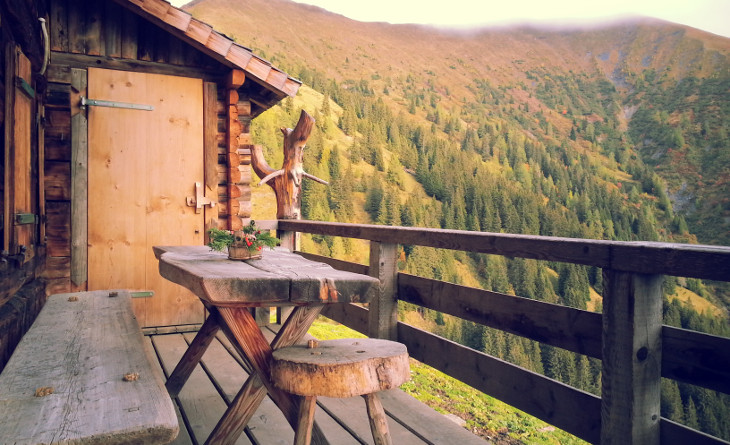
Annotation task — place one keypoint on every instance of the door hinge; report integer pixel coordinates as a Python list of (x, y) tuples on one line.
[(86, 102), (25, 218), (25, 86)]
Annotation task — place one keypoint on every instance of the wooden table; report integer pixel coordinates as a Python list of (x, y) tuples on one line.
[(229, 289)]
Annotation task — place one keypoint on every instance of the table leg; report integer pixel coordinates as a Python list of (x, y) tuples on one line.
[(246, 336), (192, 356)]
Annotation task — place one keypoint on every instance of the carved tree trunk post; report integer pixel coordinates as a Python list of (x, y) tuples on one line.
[(287, 181)]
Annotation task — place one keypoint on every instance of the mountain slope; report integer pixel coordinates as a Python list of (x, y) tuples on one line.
[(617, 132), (641, 61)]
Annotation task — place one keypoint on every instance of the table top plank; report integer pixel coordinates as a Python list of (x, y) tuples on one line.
[(82, 347), (278, 278)]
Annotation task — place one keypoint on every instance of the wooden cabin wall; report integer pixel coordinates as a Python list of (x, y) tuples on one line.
[(22, 291), (103, 28), (58, 174), (104, 34), (101, 33)]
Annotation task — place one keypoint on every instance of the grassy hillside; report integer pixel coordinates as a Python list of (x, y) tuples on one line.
[(614, 133)]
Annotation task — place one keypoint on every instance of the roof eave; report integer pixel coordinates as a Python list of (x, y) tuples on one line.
[(218, 46)]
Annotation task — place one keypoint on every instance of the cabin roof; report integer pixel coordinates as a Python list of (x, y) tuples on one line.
[(272, 84)]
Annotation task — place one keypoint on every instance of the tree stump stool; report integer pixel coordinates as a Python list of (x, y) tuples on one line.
[(341, 368)]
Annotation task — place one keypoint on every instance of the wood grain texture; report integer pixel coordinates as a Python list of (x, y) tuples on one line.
[(287, 181), (683, 260), (199, 398), (79, 184), (130, 209), (21, 191), (696, 358), (279, 278), (82, 349), (631, 359), (569, 409), (241, 328), (303, 432), (384, 305), (210, 152), (340, 368), (568, 328), (192, 356), (378, 420), (687, 356)]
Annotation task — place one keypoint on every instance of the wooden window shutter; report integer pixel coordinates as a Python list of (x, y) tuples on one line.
[(19, 219)]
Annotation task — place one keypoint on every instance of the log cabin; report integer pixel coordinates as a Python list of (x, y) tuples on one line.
[(127, 124)]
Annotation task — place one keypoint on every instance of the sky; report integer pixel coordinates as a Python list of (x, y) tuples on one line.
[(708, 15)]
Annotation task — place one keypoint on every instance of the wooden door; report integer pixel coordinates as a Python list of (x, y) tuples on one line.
[(142, 166)]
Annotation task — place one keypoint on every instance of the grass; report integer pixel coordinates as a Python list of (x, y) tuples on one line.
[(484, 415)]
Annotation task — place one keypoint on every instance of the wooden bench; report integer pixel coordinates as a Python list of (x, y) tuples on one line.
[(81, 375)]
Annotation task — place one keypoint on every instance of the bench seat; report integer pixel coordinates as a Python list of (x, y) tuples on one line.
[(79, 349)]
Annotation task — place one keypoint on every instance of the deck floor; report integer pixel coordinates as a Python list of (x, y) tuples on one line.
[(221, 374)]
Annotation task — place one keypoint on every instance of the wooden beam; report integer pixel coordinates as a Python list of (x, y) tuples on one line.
[(79, 186), (8, 144), (569, 409), (384, 304), (696, 358), (84, 61), (683, 260), (553, 324), (632, 357), (210, 153)]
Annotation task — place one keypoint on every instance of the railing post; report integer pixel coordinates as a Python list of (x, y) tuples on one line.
[(632, 345), (290, 240), (384, 304)]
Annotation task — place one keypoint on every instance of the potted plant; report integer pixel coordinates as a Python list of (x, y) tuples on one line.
[(245, 244)]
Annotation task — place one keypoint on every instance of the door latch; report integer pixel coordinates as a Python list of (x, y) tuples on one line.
[(199, 200)]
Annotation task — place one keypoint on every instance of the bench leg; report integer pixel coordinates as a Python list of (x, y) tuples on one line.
[(378, 420), (303, 434)]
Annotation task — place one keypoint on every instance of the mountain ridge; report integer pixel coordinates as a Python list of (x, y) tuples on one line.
[(532, 68), (601, 134)]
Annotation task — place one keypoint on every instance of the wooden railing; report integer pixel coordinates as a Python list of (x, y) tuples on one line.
[(636, 350)]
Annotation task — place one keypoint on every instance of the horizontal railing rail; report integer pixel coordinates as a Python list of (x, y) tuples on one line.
[(682, 260), (632, 277)]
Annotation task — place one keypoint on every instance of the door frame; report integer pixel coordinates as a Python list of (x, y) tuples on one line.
[(79, 230)]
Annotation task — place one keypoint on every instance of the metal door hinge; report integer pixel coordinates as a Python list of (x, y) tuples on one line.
[(25, 218), (113, 104), (25, 86)]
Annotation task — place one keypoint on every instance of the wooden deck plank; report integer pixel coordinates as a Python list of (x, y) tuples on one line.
[(432, 426), (268, 425), (332, 429), (200, 401), (350, 414), (183, 437), (343, 421)]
